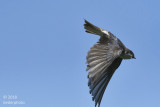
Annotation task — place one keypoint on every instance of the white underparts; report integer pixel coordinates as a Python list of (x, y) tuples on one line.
[(106, 32)]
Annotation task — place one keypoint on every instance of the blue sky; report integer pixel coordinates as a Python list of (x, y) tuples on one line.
[(43, 48)]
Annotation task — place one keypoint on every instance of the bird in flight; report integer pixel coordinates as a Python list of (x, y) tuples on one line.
[(103, 59)]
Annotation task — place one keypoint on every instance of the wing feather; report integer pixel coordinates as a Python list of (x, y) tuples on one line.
[(100, 59)]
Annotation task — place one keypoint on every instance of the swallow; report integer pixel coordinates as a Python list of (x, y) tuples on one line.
[(103, 59)]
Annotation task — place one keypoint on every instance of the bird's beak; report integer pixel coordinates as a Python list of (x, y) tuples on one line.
[(134, 58)]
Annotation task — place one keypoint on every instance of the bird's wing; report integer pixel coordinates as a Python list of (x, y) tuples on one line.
[(102, 59), (90, 28)]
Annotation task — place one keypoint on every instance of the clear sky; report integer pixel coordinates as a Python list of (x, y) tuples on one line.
[(43, 50)]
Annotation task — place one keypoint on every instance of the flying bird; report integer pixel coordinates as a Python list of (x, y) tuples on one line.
[(103, 59)]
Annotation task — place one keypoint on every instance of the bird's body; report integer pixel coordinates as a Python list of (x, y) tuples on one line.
[(103, 59)]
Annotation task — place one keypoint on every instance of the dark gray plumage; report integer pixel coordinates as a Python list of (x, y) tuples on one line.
[(103, 59)]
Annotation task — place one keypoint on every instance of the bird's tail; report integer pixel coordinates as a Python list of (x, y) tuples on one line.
[(90, 28)]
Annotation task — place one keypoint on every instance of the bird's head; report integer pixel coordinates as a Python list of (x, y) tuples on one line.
[(130, 54)]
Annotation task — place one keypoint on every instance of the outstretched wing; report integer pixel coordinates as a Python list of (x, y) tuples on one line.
[(102, 59)]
